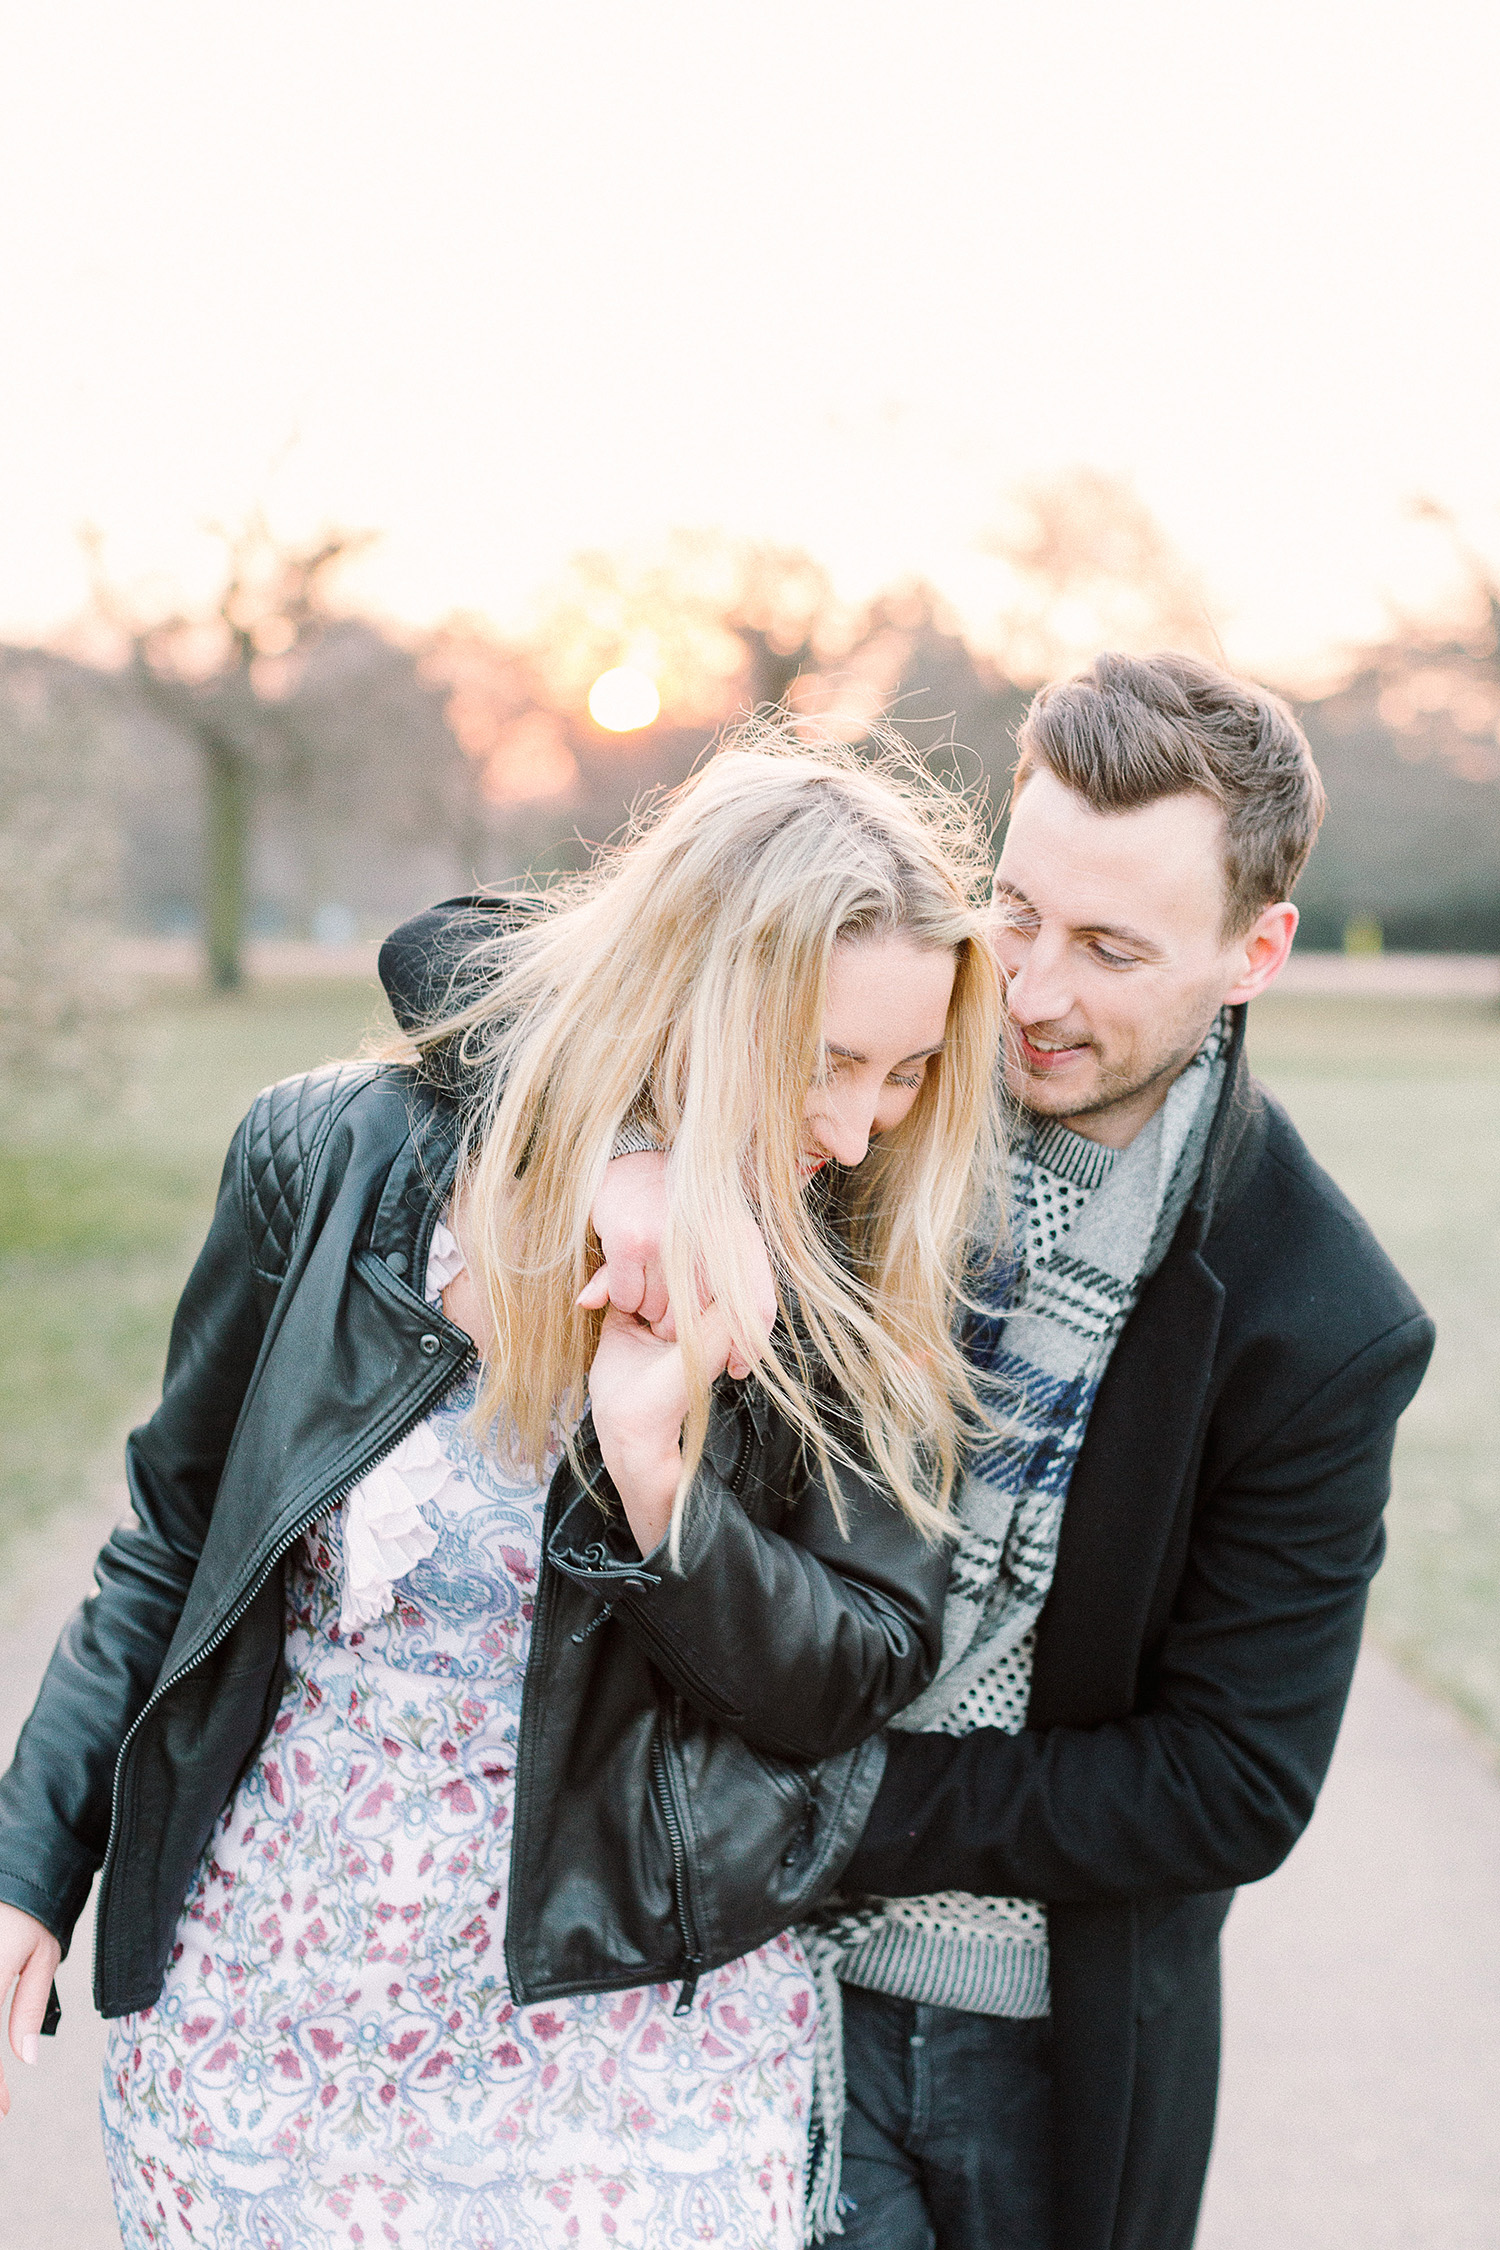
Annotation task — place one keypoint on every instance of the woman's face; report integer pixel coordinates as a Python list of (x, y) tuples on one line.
[(887, 1013)]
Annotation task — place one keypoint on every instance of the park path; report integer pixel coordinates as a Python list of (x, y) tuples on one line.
[(1361, 2105)]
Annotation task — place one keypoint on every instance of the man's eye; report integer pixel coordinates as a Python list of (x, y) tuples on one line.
[(1111, 959)]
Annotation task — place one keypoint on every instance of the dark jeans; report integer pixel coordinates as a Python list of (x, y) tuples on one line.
[(947, 2138)]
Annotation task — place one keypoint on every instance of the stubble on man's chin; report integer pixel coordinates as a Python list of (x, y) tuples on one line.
[(1114, 1090)]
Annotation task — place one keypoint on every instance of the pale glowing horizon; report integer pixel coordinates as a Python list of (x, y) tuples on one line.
[(503, 285)]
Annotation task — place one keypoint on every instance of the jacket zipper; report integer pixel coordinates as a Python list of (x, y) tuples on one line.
[(221, 1631), (742, 1465), (664, 1767), (541, 1628), (666, 1776)]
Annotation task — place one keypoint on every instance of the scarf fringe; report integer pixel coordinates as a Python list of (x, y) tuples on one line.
[(827, 1947)]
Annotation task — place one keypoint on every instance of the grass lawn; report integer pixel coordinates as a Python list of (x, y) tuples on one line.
[(1400, 1100), (97, 1233)]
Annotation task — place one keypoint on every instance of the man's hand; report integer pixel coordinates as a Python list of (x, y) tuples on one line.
[(30, 1954), (630, 1219)]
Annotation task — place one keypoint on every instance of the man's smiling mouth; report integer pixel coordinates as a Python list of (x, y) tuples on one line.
[(1044, 1055)]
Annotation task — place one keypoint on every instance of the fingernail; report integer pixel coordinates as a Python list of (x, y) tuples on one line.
[(31, 2048)]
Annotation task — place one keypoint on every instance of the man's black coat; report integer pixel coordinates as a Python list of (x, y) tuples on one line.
[(1192, 1661)]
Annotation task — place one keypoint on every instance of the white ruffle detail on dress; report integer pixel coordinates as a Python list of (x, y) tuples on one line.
[(445, 1262), (384, 1530), (384, 1534)]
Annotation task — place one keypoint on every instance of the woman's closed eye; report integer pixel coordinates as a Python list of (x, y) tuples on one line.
[(835, 1066)]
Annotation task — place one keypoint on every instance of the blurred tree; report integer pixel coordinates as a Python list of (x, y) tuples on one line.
[(786, 618), (1088, 567), (911, 667), (1412, 838), (1408, 742), (226, 678), (501, 710), (1439, 678), (376, 809), (59, 999)]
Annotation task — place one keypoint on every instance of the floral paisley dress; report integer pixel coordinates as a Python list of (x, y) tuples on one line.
[(335, 2058)]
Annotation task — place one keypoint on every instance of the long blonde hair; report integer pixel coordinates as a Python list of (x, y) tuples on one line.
[(686, 979)]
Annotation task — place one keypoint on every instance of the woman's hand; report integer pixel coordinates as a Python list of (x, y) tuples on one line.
[(31, 1954), (638, 1391)]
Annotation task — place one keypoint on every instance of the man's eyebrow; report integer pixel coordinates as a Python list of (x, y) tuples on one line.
[(1120, 930), (1126, 936), (849, 1054)]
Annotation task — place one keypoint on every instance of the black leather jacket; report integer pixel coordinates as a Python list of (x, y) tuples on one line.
[(692, 1773)]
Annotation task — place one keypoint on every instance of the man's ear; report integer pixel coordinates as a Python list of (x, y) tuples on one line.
[(1263, 951)]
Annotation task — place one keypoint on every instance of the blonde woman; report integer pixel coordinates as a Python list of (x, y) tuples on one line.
[(484, 1685)]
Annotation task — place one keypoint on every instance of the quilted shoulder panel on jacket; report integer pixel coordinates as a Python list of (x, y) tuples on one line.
[(283, 1134)]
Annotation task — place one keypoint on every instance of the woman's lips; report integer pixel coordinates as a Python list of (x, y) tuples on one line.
[(807, 1165), (1045, 1059)]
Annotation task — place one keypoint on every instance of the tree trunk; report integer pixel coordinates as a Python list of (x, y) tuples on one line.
[(226, 848), (773, 671)]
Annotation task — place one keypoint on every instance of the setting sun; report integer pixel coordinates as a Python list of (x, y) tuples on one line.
[(623, 699)]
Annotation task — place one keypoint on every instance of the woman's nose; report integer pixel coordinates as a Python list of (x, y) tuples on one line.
[(842, 1131)]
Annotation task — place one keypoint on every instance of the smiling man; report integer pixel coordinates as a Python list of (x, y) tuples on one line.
[(1199, 1355)]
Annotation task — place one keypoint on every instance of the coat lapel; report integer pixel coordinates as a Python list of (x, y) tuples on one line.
[(1133, 1474)]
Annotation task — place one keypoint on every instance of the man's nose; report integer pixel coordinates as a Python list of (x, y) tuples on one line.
[(1039, 989)]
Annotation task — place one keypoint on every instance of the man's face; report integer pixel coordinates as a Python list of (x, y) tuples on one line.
[(1110, 929)]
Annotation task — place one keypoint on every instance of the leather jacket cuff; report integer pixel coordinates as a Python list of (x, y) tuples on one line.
[(55, 1914), (609, 1562)]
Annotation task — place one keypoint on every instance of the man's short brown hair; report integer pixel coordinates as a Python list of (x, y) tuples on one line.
[(1130, 729)]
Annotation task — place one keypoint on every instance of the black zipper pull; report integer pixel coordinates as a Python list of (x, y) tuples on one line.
[(689, 1990), (593, 1624)]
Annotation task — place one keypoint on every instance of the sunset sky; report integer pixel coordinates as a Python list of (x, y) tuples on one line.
[(502, 282)]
